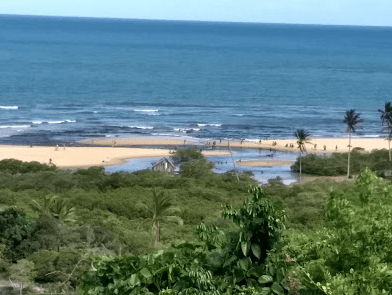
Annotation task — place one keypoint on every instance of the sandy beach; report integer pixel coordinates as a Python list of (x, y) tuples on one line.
[(368, 144), (104, 154), (83, 157)]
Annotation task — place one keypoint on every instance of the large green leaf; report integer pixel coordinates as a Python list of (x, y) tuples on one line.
[(244, 263), (146, 273), (229, 260), (277, 289), (245, 246), (134, 280), (265, 279), (256, 250), (255, 271)]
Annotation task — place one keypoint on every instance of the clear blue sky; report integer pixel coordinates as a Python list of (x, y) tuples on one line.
[(340, 12)]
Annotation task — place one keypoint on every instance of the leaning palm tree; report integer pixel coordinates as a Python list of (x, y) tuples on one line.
[(303, 136), (386, 119), (352, 119), (161, 209)]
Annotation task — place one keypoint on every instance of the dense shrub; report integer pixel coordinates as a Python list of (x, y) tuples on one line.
[(13, 166), (65, 265), (15, 231), (336, 164)]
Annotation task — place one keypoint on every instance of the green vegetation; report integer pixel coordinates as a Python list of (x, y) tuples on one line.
[(352, 119), (303, 136), (386, 119), (337, 163), (322, 238)]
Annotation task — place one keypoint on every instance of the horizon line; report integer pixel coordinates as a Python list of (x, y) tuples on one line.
[(198, 21)]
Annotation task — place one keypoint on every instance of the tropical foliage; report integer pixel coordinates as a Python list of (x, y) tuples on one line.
[(352, 119), (233, 265), (316, 238), (386, 119), (336, 164), (303, 137), (160, 210)]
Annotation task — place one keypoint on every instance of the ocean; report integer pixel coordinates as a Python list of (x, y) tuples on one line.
[(65, 79)]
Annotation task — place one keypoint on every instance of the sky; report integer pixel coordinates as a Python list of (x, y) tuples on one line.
[(327, 12)]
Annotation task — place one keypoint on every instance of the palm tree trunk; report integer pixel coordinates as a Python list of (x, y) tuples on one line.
[(158, 231), (349, 152), (236, 172), (300, 167), (389, 144)]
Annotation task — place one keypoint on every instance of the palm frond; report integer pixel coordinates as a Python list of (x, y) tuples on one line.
[(353, 120), (177, 219), (303, 137), (386, 114)]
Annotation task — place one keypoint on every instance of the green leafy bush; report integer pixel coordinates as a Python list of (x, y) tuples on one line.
[(65, 266), (15, 166), (351, 254), (336, 164), (15, 231)]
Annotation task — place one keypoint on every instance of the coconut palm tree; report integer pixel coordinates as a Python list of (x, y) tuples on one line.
[(303, 136), (55, 207), (386, 119), (160, 210), (352, 119)]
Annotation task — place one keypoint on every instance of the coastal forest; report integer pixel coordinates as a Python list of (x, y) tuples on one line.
[(89, 232)]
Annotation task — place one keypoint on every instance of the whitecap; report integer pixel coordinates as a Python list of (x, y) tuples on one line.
[(15, 126), (142, 127), (55, 122), (9, 107), (70, 121), (37, 122), (145, 110), (212, 125)]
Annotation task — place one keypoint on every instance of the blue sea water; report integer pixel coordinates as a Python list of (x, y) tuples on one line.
[(66, 79)]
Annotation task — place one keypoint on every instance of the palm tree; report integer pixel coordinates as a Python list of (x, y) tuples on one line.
[(160, 210), (386, 119), (352, 119), (303, 136), (55, 207)]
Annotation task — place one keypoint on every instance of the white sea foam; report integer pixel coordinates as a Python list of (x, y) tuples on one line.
[(70, 121), (186, 129), (213, 125), (9, 107), (15, 126), (55, 122), (135, 110), (142, 127), (37, 122), (95, 112)]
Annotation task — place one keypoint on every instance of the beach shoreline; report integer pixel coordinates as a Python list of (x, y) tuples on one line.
[(117, 151), (316, 145), (84, 157)]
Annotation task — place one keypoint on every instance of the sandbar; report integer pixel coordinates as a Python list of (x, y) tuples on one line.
[(83, 157), (368, 144), (259, 163)]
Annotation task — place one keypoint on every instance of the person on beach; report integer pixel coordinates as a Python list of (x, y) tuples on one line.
[(325, 147), (336, 148)]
